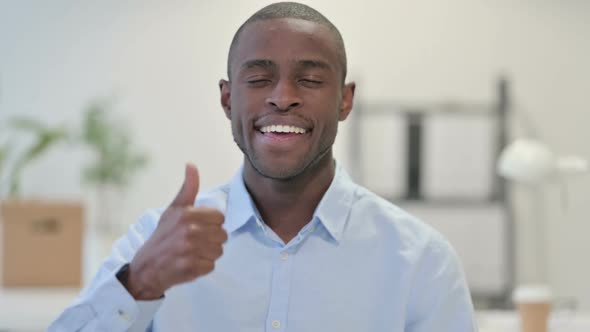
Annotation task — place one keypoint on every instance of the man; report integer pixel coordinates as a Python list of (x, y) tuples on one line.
[(291, 243)]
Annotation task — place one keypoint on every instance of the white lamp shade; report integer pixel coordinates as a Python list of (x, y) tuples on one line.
[(527, 161), (530, 161)]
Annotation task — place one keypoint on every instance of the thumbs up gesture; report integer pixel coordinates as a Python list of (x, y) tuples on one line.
[(185, 245)]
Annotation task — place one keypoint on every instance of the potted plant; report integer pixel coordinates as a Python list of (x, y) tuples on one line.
[(38, 234), (115, 160)]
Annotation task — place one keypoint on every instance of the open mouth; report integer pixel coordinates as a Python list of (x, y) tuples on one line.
[(283, 132), (282, 129)]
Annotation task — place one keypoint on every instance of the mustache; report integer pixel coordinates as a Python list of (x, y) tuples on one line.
[(292, 116)]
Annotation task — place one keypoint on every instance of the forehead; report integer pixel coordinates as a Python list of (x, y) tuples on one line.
[(285, 40)]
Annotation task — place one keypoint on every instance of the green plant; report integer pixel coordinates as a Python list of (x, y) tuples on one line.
[(117, 159), (4, 150), (45, 138)]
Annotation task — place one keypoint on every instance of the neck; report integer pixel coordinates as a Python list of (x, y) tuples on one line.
[(286, 206)]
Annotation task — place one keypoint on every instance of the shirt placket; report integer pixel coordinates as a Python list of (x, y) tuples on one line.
[(280, 292), (281, 281)]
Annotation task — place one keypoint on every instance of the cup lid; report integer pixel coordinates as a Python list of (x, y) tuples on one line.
[(532, 294)]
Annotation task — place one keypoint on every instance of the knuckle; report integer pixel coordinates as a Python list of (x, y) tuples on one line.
[(218, 217), (190, 231), (224, 236), (206, 209), (185, 246), (216, 252), (184, 265), (213, 215), (207, 266), (219, 236), (192, 270)]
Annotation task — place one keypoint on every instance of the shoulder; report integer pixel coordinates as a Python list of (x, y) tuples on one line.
[(394, 224), (429, 253)]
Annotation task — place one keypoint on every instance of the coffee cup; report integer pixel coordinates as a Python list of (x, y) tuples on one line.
[(535, 304)]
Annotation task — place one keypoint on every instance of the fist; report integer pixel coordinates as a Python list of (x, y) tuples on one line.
[(185, 245)]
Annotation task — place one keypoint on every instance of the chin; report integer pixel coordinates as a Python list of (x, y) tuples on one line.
[(278, 171)]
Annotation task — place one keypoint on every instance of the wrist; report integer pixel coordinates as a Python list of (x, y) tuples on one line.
[(133, 281)]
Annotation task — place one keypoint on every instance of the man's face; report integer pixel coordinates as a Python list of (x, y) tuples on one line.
[(286, 95)]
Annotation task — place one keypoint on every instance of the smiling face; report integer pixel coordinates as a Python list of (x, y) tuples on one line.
[(286, 96)]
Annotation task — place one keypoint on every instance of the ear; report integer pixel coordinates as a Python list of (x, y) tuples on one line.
[(347, 100), (224, 89)]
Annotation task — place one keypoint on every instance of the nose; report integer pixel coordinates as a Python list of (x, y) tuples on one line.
[(284, 97)]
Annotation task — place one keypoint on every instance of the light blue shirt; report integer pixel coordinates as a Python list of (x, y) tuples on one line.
[(361, 264)]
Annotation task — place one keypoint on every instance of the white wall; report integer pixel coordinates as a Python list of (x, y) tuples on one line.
[(163, 60)]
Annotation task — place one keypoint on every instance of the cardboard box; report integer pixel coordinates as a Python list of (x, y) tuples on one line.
[(41, 243)]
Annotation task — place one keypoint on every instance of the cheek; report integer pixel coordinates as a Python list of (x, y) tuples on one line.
[(246, 105), (331, 122), (328, 100), (240, 123), (331, 112), (244, 102)]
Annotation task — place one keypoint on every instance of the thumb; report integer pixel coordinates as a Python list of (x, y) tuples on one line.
[(190, 187)]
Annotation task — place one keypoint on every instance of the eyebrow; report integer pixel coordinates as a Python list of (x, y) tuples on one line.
[(270, 65), (260, 63), (305, 64)]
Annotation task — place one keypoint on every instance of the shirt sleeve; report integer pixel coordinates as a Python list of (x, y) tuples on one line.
[(105, 304), (440, 299)]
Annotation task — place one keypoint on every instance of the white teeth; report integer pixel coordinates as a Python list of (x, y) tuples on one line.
[(282, 129)]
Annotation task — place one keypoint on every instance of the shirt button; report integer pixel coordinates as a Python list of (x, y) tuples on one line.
[(124, 315), (276, 324), (284, 256)]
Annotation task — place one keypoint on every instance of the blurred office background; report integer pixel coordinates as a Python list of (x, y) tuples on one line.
[(160, 62)]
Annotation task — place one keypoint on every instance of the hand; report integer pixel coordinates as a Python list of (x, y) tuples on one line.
[(185, 245)]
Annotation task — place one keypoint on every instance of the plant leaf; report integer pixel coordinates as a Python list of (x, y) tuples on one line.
[(117, 159), (45, 138)]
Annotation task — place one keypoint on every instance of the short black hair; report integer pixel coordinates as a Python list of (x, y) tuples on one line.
[(291, 10)]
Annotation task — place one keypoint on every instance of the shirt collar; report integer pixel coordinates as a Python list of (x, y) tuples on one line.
[(332, 211), (240, 207), (335, 206)]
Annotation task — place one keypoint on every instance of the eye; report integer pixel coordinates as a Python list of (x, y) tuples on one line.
[(310, 83), (258, 82)]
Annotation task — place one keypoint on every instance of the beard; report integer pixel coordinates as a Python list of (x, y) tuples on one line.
[(285, 173)]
